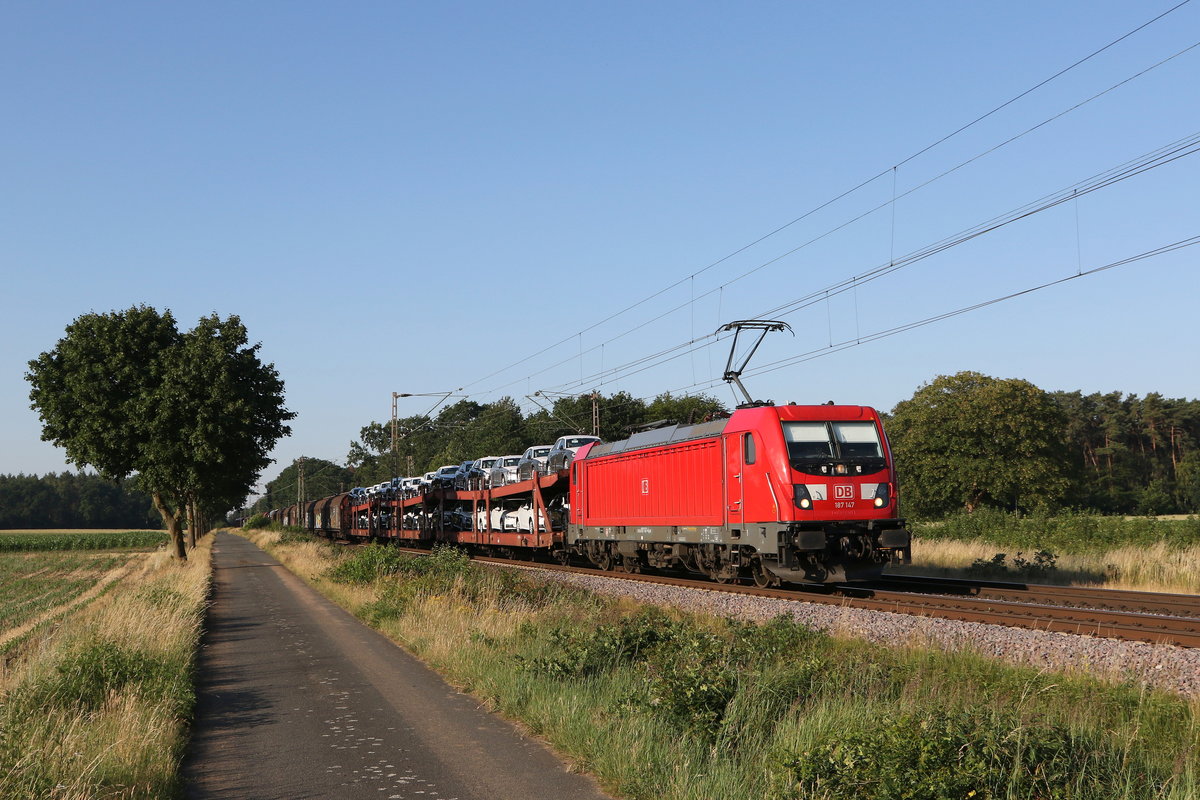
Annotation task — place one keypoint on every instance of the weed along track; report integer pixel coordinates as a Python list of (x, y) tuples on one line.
[(1107, 613)]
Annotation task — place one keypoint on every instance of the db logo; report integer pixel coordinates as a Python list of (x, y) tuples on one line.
[(843, 492), (645, 486)]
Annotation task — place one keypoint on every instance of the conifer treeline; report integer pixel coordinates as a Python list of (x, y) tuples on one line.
[(1134, 455)]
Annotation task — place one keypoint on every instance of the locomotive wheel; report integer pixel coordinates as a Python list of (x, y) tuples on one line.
[(605, 561), (629, 564), (724, 574), (763, 577)]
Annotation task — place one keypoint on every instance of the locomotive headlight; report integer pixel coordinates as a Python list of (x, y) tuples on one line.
[(802, 497), (882, 496)]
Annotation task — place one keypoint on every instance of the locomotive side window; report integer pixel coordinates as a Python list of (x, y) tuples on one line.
[(807, 441), (747, 448)]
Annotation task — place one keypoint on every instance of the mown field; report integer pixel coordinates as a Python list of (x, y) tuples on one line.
[(33, 584), (666, 705), (96, 651)]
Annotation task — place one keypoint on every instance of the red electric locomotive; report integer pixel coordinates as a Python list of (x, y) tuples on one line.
[(783, 493)]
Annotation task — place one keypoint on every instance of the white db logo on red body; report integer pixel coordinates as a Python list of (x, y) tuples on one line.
[(645, 486), (843, 492)]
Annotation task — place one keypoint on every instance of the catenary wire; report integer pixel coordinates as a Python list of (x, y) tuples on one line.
[(835, 199), (831, 231), (1164, 155)]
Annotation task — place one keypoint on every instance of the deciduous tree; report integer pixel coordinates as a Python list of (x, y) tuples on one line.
[(191, 415), (968, 440)]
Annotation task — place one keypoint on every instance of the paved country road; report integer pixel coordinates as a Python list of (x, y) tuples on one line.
[(298, 699)]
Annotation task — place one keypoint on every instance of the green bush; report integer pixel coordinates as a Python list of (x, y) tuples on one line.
[(576, 651), (692, 675), (368, 564), (954, 754), (693, 680), (85, 679), (257, 522), (1044, 563), (696, 675), (292, 534), (1072, 532)]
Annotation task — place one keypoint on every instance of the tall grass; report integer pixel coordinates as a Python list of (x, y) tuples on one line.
[(663, 704), (1086, 550), (98, 705), (1159, 567)]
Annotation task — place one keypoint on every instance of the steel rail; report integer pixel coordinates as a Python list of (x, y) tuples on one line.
[(1176, 605)]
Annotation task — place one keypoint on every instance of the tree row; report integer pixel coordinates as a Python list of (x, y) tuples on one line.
[(961, 442)]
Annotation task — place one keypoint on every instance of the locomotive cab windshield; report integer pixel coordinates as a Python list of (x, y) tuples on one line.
[(834, 448)]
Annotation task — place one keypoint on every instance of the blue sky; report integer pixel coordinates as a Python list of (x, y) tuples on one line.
[(408, 197)]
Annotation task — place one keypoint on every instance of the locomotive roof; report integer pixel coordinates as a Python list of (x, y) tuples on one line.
[(669, 434)]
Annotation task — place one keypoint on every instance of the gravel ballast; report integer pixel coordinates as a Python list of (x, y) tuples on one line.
[(1175, 669)]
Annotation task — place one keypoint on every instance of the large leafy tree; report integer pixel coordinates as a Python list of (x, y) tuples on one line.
[(618, 414), (322, 478), (466, 430), (686, 409), (191, 415), (968, 440), (460, 431), (496, 429)]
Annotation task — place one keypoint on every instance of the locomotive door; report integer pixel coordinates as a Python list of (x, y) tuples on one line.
[(734, 469)]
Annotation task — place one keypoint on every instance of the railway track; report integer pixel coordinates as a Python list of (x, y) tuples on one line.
[(1105, 613), (1178, 605)]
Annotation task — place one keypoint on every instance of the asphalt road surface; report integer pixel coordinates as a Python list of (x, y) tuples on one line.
[(297, 699)]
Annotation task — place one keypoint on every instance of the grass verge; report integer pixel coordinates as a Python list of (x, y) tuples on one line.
[(673, 706), (97, 706)]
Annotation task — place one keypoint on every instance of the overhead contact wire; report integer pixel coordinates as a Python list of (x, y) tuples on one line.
[(838, 197)]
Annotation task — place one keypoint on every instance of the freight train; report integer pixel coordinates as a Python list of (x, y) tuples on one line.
[(776, 494)]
